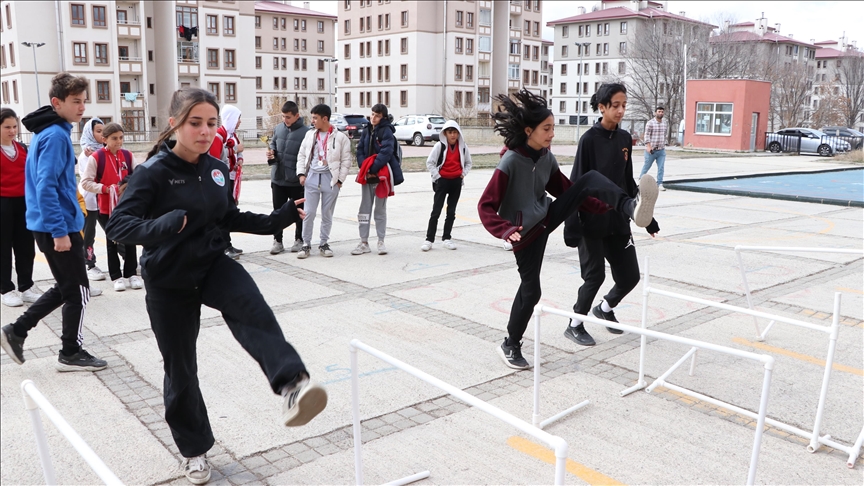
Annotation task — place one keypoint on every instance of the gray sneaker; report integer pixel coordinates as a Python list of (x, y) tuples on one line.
[(197, 469), (325, 250), (362, 248), (643, 213), (80, 361), (303, 401), (277, 248), (304, 252), (297, 246), (12, 344)]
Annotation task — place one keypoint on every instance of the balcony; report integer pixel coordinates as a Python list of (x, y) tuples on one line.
[(129, 29), (187, 58), (186, 67), (130, 65), (516, 8), (127, 101)]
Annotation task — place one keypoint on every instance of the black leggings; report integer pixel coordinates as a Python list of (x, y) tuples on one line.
[(129, 252), (529, 259), (175, 317), (15, 238), (450, 189)]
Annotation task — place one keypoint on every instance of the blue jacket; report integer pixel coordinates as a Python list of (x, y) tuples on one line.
[(50, 189)]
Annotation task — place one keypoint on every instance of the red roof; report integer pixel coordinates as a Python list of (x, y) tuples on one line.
[(754, 37), (826, 42), (744, 24), (281, 8), (623, 13), (830, 53)]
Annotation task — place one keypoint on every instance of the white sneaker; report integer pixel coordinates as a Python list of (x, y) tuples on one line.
[(31, 295), (426, 246), (449, 244), (119, 285), (135, 282), (382, 250), (11, 299), (660, 187), (362, 248), (197, 469), (95, 291), (277, 248), (303, 402), (643, 213), (95, 274)]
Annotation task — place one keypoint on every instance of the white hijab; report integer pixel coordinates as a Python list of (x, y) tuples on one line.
[(88, 140), (230, 114)]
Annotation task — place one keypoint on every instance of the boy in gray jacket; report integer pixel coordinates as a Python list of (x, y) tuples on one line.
[(448, 163), (282, 157)]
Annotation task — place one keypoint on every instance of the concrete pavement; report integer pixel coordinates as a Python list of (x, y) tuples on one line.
[(445, 312)]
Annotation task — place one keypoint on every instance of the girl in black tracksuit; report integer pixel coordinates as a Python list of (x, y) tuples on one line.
[(608, 150), (176, 206)]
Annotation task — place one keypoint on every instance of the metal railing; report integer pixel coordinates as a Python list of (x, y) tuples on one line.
[(557, 443), (34, 400), (782, 143)]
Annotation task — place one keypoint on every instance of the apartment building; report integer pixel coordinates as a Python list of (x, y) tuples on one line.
[(294, 50), (828, 78), (546, 69), (591, 47), (447, 57)]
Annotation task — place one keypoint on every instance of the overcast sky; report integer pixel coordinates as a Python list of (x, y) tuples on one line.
[(805, 20)]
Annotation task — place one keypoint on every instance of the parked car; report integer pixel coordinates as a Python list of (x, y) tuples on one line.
[(854, 137), (811, 141), (338, 121), (419, 129), (356, 123)]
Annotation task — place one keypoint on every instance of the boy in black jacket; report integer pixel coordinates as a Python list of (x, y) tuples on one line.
[(282, 156)]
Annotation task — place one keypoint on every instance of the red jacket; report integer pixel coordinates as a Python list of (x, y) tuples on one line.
[(116, 169), (12, 172), (219, 142), (385, 182)]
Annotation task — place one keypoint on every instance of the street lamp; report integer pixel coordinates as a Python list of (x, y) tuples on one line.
[(34, 45), (582, 48), (329, 61)]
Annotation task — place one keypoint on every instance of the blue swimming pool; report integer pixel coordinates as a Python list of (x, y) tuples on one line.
[(842, 187)]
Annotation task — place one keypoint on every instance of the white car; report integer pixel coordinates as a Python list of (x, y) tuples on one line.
[(418, 129)]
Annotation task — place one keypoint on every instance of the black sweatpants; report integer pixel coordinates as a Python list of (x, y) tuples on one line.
[(72, 291), (281, 195), (226, 235), (529, 259), (90, 237), (444, 188), (175, 317), (130, 255), (620, 252), (15, 238)]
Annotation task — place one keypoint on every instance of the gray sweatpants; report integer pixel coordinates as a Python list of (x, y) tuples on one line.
[(317, 189), (367, 199)]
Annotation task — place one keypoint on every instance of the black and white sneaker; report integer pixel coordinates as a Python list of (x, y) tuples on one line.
[(12, 344), (197, 469), (80, 361), (606, 316), (512, 356), (579, 335), (643, 212), (303, 401)]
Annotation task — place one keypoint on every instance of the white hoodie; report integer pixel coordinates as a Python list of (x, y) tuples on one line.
[(464, 153)]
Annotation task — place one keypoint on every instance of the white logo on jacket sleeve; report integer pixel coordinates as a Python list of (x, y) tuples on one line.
[(218, 177)]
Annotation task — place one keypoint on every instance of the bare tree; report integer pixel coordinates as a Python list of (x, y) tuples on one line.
[(790, 95), (830, 111), (851, 73), (464, 111)]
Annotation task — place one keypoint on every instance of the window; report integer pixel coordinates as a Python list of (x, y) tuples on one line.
[(562, 107), (276, 62), (320, 26), (563, 69), (214, 88), (258, 103), (362, 49), (599, 48), (469, 20), (485, 17), (536, 51), (563, 89), (387, 26), (320, 64), (403, 98), (99, 17), (484, 44), (714, 118), (275, 43), (259, 122), (347, 50), (212, 24), (347, 75), (362, 75), (150, 56), (536, 29), (458, 71), (404, 45), (132, 120), (78, 16), (284, 82), (606, 28), (387, 98), (126, 87), (320, 84), (100, 53), (581, 30), (257, 21), (535, 76), (513, 71), (362, 98), (296, 25), (563, 51), (297, 44), (228, 29), (565, 31), (275, 23), (483, 95), (527, 27), (230, 92), (457, 99), (381, 22), (258, 83), (285, 44), (469, 73), (380, 73), (5, 92), (320, 46), (527, 52), (152, 89), (459, 16), (605, 48), (212, 58), (515, 47), (347, 26), (622, 48), (296, 83), (386, 47), (380, 47), (623, 27), (469, 46), (459, 42), (596, 68), (622, 68), (103, 90), (605, 68), (403, 72), (588, 30), (469, 99), (303, 26), (79, 51), (229, 63), (303, 45), (347, 99), (526, 76), (362, 24), (405, 19), (257, 42), (303, 63), (187, 16), (275, 82)]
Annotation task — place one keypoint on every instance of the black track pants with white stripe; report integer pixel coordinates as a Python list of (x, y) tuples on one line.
[(72, 291)]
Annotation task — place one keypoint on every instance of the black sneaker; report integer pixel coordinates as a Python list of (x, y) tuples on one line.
[(237, 250), (12, 344), (232, 253), (512, 356), (606, 316), (80, 361), (579, 335)]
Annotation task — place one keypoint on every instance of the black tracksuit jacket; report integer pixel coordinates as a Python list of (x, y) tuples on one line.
[(150, 213)]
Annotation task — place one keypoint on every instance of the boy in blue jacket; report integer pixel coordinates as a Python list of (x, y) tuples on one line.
[(55, 218)]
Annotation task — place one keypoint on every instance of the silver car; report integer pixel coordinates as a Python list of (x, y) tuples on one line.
[(811, 141)]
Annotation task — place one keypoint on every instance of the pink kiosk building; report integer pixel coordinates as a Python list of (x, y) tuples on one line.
[(726, 114)]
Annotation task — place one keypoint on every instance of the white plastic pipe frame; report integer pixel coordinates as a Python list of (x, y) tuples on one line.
[(766, 360), (535, 418), (558, 444), (34, 400)]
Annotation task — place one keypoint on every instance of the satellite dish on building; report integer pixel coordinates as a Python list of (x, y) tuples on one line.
[(596, 7)]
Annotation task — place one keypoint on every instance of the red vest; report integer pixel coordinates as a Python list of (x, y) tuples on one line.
[(12, 172), (452, 166), (115, 170)]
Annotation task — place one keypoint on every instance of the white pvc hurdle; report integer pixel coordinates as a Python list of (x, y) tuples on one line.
[(739, 248), (557, 443), (535, 418), (35, 400), (766, 360)]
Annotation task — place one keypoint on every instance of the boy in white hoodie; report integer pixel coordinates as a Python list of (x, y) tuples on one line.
[(448, 163)]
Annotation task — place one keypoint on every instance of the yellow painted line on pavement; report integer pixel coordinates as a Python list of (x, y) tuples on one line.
[(799, 356), (584, 473), (851, 291)]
